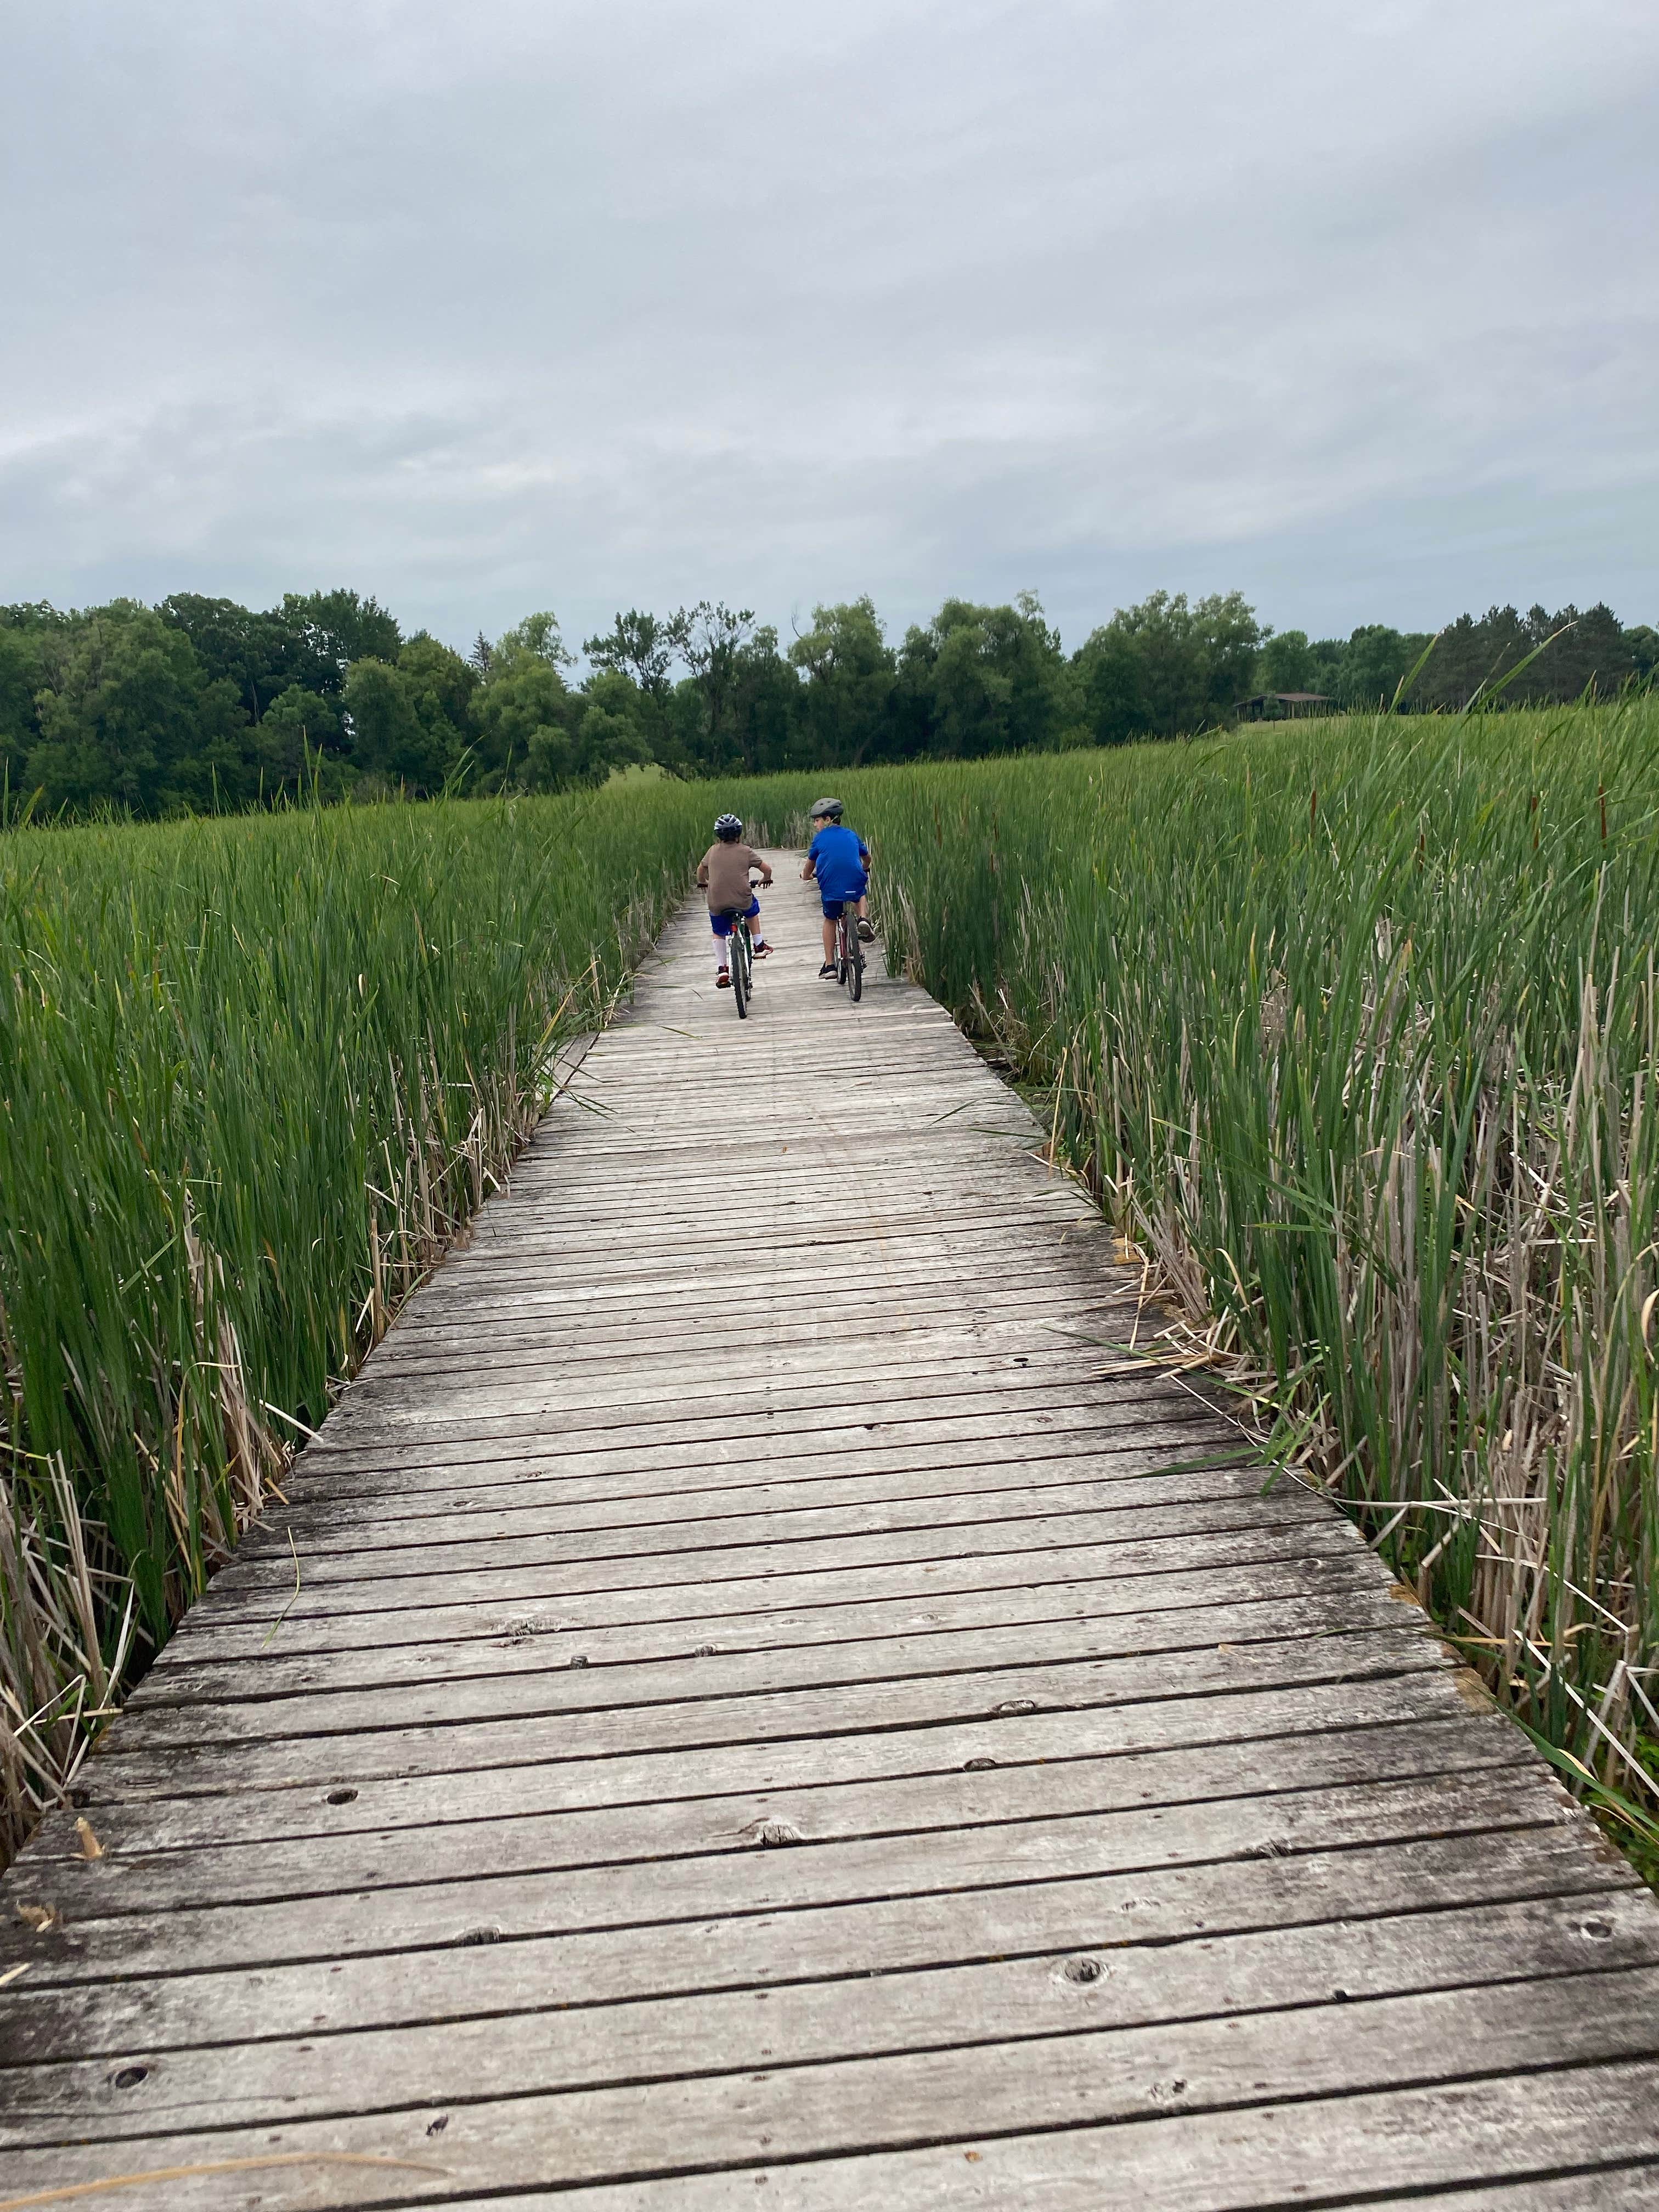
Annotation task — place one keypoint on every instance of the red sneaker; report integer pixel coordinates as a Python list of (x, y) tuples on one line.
[(724, 979)]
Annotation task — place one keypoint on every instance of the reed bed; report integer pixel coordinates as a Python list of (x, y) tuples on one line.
[(254, 1075), (1352, 1026)]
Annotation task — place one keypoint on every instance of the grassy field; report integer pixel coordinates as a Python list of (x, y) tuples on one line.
[(253, 1073), (1352, 1026)]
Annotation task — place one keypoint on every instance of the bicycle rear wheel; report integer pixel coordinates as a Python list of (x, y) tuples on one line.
[(740, 970), (852, 969)]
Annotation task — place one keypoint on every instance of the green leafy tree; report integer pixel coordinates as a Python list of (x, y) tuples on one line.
[(262, 654), (644, 648), (1109, 671), (535, 732), (537, 635), (766, 705), (129, 720), (1326, 654), (1168, 667), (1286, 663), (711, 638), (443, 685), (19, 679), (618, 698), (523, 714), (400, 736), (999, 680), (846, 704), (301, 742), (342, 627), (1375, 663)]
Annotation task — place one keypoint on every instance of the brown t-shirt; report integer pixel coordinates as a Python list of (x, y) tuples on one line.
[(724, 872)]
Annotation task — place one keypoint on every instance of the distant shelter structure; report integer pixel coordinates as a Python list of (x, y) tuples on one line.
[(1282, 706)]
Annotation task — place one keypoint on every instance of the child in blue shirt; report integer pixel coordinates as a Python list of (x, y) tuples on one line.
[(839, 862)]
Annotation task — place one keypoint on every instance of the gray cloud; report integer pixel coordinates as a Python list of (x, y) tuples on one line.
[(574, 305)]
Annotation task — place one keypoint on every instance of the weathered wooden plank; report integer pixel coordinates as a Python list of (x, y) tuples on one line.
[(797, 1340), (1186, 1537), (389, 1803), (563, 1733), (532, 1647), (398, 1469), (800, 1435), (483, 1271), (890, 1436), (640, 1894), (818, 1415), (692, 1214), (798, 1329), (135, 1874), (1359, 2149), (213, 1631), (1088, 2076), (926, 1277), (1163, 1506), (637, 1894), (1608, 2188), (477, 1976), (885, 1371), (810, 2022), (390, 1515), (584, 1680)]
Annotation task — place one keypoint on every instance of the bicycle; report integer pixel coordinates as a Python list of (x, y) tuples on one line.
[(849, 951), (741, 958)]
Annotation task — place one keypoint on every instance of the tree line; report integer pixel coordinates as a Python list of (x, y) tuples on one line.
[(200, 704)]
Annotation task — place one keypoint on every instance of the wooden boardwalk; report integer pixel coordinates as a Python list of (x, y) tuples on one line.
[(774, 1713)]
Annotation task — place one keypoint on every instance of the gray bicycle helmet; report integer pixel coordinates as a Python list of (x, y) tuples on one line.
[(728, 827), (825, 810)]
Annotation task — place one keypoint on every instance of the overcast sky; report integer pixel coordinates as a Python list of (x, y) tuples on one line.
[(1352, 304)]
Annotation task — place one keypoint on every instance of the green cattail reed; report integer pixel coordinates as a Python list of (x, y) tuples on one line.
[(253, 1075), (1353, 1026)]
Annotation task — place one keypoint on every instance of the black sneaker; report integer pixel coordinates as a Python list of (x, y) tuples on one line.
[(866, 930), (828, 969)]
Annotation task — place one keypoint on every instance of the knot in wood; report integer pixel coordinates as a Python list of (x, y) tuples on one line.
[(772, 1832)]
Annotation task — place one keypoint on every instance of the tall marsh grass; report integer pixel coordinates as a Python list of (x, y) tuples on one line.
[(1351, 1025), (253, 1075)]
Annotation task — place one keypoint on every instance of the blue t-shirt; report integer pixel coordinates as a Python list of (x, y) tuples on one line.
[(839, 856)]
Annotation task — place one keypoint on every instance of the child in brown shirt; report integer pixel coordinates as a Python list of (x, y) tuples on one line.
[(723, 873)]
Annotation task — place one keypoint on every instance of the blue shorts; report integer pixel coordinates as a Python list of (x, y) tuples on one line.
[(832, 907), (721, 923)]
